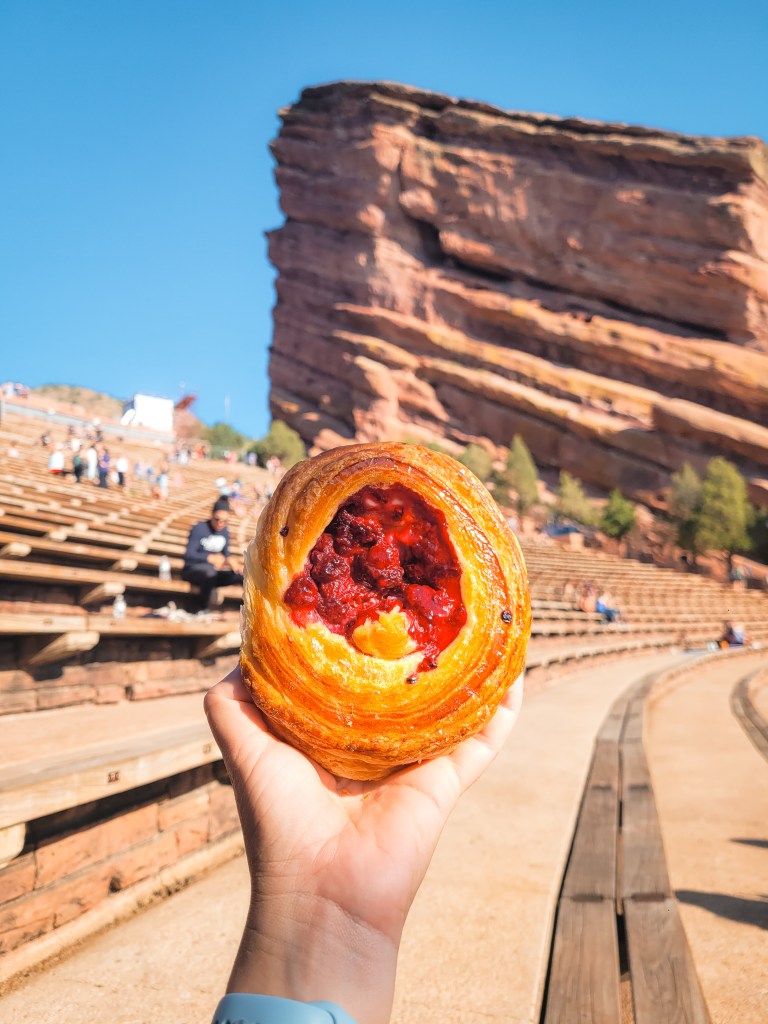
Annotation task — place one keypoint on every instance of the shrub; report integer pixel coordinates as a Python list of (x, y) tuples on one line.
[(282, 441), (618, 516), (758, 535), (223, 438), (572, 502)]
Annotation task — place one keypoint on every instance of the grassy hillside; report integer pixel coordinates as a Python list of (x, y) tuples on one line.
[(89, 403), (94, 404)]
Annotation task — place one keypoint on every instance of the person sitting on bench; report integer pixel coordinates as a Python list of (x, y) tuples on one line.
[(604, 606), (733, 635), (207, 562)]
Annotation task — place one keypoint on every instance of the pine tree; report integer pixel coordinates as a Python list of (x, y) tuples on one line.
[(520, 475), (725, 515), (684, 505), (618, 516)]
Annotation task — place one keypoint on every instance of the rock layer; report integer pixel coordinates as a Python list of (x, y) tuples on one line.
[(451, 271)]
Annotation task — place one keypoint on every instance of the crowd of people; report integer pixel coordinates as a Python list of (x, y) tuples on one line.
[(208, 562), (86, 457)]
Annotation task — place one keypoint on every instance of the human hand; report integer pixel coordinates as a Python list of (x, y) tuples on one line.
[(334, 864), (217, 560)]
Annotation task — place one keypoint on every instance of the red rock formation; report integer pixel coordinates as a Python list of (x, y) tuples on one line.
[(450, 270)]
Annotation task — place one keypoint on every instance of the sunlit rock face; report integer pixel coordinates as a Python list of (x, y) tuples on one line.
[(448, 270)]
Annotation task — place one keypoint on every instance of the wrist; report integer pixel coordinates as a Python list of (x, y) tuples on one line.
[(306, 948)]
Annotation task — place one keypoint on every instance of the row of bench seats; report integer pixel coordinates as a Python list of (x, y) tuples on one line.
[(108, 769), (67, 550)]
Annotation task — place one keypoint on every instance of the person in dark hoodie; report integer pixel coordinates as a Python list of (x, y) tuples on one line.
[(207, 562)]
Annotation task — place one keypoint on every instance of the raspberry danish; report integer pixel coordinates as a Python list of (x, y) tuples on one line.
[(386, 608)]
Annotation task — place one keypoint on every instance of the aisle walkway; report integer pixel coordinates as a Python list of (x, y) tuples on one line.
[(711, 788), (477, 940)]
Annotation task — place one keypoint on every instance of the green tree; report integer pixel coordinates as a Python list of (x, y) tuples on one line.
[(282, 441), (758, 535), (725, 515), (572, 502), (684, 505), (477, 459), (618, 516), (520, 475), (225, 438)]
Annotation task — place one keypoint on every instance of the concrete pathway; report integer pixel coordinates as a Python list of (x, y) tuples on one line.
[(711, 788), (476, 944)]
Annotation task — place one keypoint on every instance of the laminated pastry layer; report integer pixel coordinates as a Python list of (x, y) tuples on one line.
[(386, 607)]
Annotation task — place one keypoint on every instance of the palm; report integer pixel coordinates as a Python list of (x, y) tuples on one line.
[(362, 845)]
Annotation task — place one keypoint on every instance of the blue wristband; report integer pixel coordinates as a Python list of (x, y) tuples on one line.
[(243, 1008)]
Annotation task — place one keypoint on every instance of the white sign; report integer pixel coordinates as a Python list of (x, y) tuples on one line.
[(153, 413)]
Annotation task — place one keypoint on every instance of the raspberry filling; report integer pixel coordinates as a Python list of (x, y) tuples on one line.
[(385, 550)]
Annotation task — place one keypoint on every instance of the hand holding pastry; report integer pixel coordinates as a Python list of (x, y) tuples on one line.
[(334, 864), (386, 608)]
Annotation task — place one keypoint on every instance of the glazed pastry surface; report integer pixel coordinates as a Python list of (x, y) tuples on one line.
[(386, 608)]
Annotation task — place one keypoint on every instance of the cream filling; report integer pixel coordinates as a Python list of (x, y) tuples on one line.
[(385, 637)]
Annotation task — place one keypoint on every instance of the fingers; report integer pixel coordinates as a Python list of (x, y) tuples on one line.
[(231, 687), (244, 736), (237, 725), (471, 758), (444, 779), (233, 717), (513, 698)]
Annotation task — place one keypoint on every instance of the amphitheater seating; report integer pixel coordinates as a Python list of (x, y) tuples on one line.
[(686, 609), (101, 716), (68, 550), (98, 586), (106, 751)]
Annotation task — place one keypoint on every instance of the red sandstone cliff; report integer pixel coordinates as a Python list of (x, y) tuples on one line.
[(451, 270)]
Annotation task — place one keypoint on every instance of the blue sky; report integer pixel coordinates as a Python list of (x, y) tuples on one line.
[(137, 185)]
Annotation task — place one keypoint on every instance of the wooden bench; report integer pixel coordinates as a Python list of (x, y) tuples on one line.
[(574, 652), (97, 586), (616, 899), (53, 638), (68, 552), (125, 747)]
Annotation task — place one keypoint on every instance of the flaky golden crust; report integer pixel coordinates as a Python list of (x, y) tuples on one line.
[(353, 713)]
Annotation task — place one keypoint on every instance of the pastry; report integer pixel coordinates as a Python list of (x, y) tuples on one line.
[(386, 608)]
